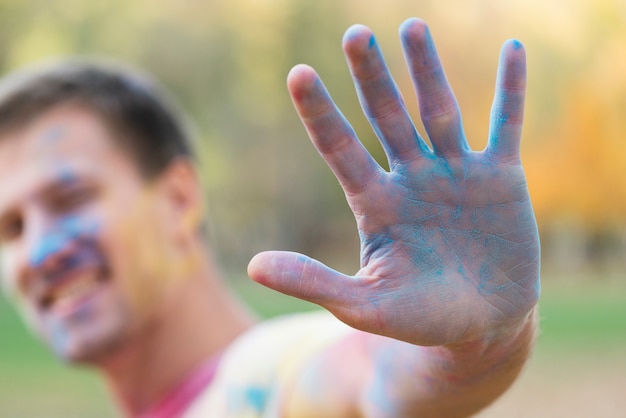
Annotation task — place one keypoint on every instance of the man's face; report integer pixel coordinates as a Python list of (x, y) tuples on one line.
[(80, 232)]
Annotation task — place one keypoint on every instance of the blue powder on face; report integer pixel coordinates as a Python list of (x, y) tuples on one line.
[(62, 234), (54, 134)]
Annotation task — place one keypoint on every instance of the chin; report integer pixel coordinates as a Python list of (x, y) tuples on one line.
[(88, 341), (89, 353)]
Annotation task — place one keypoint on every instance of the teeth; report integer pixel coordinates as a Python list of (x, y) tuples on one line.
[(74, 288)]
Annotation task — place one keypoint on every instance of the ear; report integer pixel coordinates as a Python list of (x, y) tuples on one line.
[(180, 195)]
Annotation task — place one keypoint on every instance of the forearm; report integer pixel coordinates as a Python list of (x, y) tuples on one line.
[(366, 375), (452, 381)]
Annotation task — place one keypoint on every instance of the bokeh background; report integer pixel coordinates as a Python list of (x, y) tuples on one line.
[(226, 62)]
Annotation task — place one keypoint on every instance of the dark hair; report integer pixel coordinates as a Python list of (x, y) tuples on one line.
[(129, 102)]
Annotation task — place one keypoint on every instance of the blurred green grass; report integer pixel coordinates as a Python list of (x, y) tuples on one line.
[(583, 314), (579, 317)]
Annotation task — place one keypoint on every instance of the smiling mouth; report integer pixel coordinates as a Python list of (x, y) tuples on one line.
[(70, 291)]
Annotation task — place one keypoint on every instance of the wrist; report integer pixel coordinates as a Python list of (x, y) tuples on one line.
[(499, 355), (519, 334)]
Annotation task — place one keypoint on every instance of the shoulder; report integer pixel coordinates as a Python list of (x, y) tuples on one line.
[(259, 366), (290, 334), (272, 349)]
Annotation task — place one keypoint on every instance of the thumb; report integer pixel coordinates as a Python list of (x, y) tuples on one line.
[(301, 276)]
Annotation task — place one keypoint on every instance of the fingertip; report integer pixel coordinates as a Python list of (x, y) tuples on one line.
[(264, 266), (512, 69), (358, 39), (301, 73), (515, 44), (357, 32), (513, 48), (256, 267), (418, 44), (301, 79), (413, 28)]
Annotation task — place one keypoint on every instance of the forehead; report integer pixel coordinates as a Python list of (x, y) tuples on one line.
[(67, 140)]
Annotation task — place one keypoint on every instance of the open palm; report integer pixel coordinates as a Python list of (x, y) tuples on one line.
[(449, 243)]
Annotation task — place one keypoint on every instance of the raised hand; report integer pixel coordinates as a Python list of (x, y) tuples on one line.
[(449, 243)]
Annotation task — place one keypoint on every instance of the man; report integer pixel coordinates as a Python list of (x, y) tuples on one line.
[(103, 248)]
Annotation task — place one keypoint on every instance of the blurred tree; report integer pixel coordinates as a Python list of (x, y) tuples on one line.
[(226, 62)]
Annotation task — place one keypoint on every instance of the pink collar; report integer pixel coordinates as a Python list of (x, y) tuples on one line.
[(176, 402)]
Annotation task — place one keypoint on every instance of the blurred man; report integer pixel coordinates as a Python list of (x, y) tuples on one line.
[(103, 249)]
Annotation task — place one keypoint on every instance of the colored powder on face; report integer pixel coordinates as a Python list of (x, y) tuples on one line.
[(66, 176), (66, 230), (53, 134), (59, 338)]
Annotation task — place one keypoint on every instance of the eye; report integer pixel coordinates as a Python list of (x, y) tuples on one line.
[(72, 198), (11, 228)]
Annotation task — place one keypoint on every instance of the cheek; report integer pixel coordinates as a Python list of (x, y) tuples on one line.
[(8, 272), (10, 289), (141, 262)]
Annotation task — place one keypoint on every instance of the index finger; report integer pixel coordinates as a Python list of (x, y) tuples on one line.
[(330, 132)]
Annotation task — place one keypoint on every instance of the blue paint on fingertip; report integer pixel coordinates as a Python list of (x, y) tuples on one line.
[(516, 44), (372, 41)]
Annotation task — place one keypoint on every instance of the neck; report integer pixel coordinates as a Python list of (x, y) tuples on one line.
[(199, 320)]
